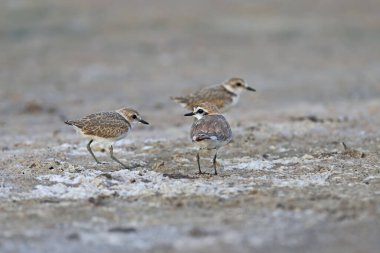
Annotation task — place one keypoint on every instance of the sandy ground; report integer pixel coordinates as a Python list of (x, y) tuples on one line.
[(286, 182)]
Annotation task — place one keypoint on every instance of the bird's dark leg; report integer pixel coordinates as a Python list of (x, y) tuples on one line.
[(214, 163), (115, 159), (199, 165), (89, 150)]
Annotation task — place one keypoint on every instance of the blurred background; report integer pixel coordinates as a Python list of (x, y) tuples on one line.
[(77, 56), (314, 63)]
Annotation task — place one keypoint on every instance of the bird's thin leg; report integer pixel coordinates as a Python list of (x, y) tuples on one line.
[(214, 163), (116, 160), (89, 150), (199, 165)]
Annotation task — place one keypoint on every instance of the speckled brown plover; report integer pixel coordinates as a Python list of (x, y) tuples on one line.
[(210, 130), (107, 127), (223, 96)]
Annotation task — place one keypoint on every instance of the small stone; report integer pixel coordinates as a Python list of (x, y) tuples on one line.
[(372, 180), (126, 230), (307, 157), (158, 165), (73, 237)]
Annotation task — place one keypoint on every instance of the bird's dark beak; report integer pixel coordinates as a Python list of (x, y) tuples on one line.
[(250, 88), (189, 114), (143, 121)]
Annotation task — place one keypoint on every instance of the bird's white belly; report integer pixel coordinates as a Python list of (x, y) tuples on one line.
[(106, 140), (209, 144), (234, 101)]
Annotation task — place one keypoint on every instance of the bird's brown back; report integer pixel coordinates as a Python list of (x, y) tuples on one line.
[(103, 124), (217, 95)]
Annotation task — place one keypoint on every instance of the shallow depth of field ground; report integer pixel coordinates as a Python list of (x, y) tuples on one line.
[(286, 183)]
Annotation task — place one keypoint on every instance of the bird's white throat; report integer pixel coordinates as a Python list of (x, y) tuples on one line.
[(198, 116)]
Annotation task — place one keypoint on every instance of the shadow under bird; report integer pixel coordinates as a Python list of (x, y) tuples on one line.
[(223, 96), (210, 130), (107, 127)]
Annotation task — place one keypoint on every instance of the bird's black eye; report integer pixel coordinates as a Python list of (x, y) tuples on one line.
[(238, 84), (134, 116), (200, 111)]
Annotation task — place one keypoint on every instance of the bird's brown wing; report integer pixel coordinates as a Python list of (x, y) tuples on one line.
[(104, 124), (214, 127), (216, 95)]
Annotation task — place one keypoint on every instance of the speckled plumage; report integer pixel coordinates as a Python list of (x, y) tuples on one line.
[(223, 96), (217, 95), (106, 126), (210, 130)]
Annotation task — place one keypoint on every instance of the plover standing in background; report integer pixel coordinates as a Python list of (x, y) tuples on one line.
[(210, 130), (107, 126), (222, 96)]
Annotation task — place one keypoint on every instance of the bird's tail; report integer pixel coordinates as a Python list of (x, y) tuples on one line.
[(180, 100), (183, 101)]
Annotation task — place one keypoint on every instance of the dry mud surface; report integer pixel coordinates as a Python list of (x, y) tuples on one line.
[(286, 182)]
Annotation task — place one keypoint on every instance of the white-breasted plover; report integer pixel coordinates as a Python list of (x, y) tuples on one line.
[(223, 96), (210, 130)]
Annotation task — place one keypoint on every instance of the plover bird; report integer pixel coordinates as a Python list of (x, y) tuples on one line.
[(223, 95), (107, 127), (210, 130)]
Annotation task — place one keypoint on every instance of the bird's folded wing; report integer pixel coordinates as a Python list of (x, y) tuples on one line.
[(202, 137), (106, 124), (211, 127)]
